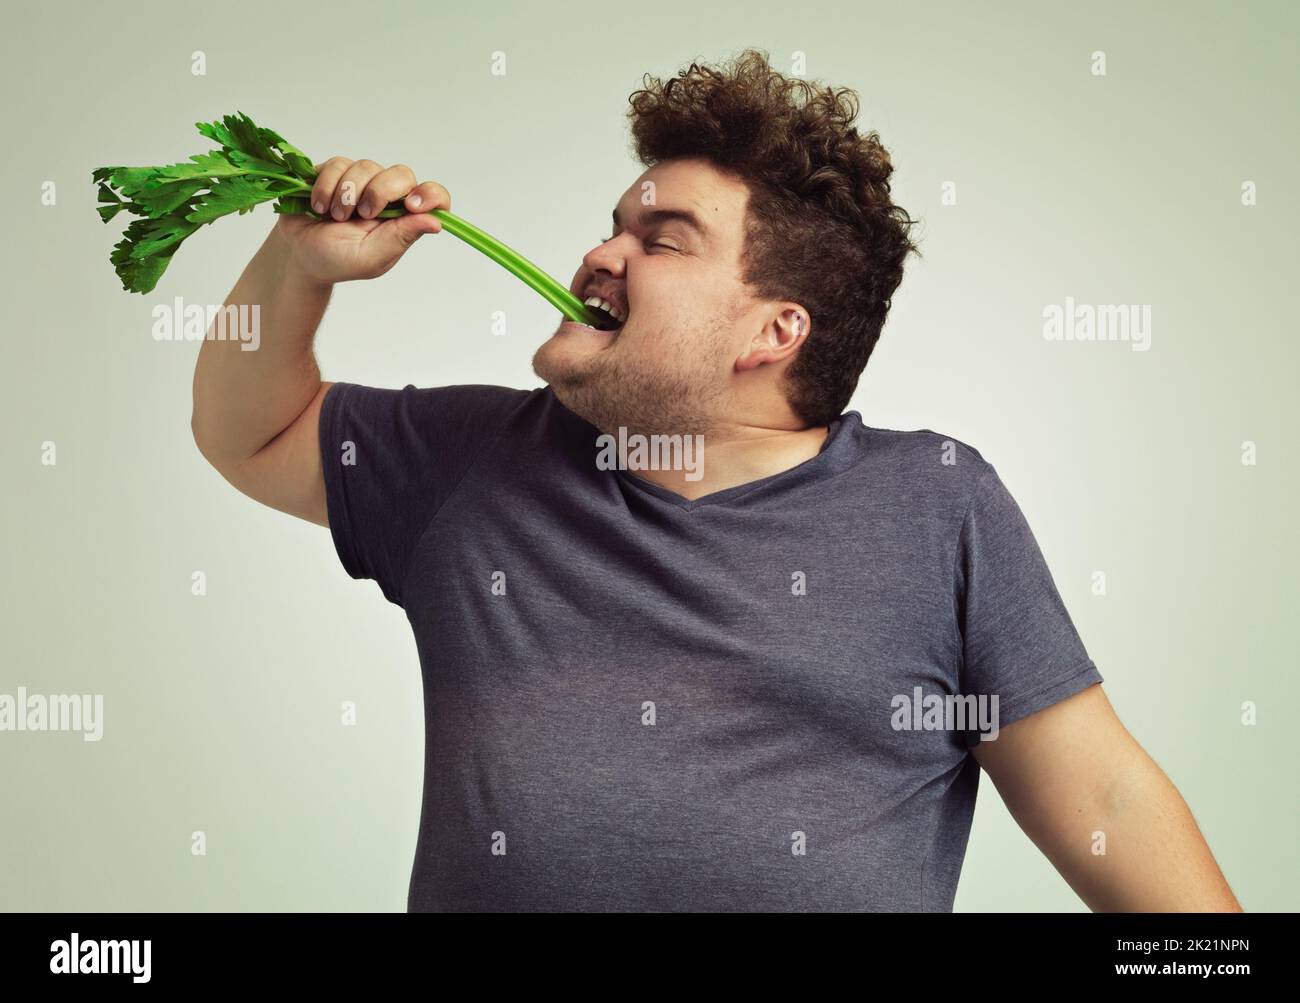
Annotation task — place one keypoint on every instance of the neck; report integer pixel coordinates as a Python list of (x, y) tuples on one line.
[(738, 455)]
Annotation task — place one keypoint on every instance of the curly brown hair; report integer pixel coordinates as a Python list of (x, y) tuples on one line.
[(820, 229)]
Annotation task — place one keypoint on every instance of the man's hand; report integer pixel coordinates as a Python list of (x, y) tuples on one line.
[(1072, 771), (352, 244)]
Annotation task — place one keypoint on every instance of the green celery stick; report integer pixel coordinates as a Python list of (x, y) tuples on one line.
[(553, 291)]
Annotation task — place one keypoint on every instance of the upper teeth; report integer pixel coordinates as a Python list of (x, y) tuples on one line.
[(607, 306)]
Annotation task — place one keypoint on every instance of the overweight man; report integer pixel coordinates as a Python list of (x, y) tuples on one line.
[(692, 635)]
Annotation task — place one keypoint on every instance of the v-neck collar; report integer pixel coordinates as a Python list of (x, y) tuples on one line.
[(841, 449), (835, 454)]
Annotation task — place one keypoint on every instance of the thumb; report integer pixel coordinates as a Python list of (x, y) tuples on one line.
[(396, 235)]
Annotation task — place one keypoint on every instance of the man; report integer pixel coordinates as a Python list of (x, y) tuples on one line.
[(762, 676)]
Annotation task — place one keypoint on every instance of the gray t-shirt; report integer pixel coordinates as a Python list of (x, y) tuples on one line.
[(744, 702)]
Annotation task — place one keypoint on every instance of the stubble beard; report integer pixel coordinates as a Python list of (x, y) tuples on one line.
[(647, 398)]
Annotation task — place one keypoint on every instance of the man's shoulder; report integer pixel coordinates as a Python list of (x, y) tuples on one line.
[(413, 419), (473, 404), (923, 457), (486, 394)]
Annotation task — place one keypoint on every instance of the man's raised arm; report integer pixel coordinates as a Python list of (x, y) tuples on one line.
[(256, 412)]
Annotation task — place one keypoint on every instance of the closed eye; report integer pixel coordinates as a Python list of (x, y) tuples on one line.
[(670, 247)]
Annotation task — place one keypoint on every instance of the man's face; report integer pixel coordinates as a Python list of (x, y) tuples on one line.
[(673, 267)]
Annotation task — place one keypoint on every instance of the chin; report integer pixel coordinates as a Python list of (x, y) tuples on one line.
[(577, 342), (559, 363)]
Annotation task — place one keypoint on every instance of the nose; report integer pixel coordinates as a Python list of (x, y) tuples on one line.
[(607, 256)]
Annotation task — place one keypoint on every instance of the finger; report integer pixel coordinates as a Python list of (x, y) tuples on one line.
[(327, 177), (386, 186), (426, 197), (350, 186)]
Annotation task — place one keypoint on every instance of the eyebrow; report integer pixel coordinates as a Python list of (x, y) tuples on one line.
[(650, 217)]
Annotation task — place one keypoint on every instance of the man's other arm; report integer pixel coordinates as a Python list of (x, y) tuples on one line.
[(1072, 770)]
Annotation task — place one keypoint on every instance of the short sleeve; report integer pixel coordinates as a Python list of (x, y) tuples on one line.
[(391, 458), (1018, 641)]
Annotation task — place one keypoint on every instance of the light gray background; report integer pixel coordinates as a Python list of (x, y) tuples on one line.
[(223, 711)]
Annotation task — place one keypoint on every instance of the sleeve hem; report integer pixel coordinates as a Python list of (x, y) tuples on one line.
[(1021, 705), (335, 499)]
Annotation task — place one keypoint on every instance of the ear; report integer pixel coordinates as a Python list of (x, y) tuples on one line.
[(779, 338)]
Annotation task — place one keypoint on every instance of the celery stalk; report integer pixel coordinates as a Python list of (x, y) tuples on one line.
[(553, 291), (521, 268)]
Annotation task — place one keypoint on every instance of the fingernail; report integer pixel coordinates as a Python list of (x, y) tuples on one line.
[(318, 206), (416, 201)]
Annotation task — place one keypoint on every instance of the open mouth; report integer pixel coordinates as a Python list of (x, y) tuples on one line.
[(607, 316)]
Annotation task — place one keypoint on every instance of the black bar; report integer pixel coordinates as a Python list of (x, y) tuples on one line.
[(372, 950)]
